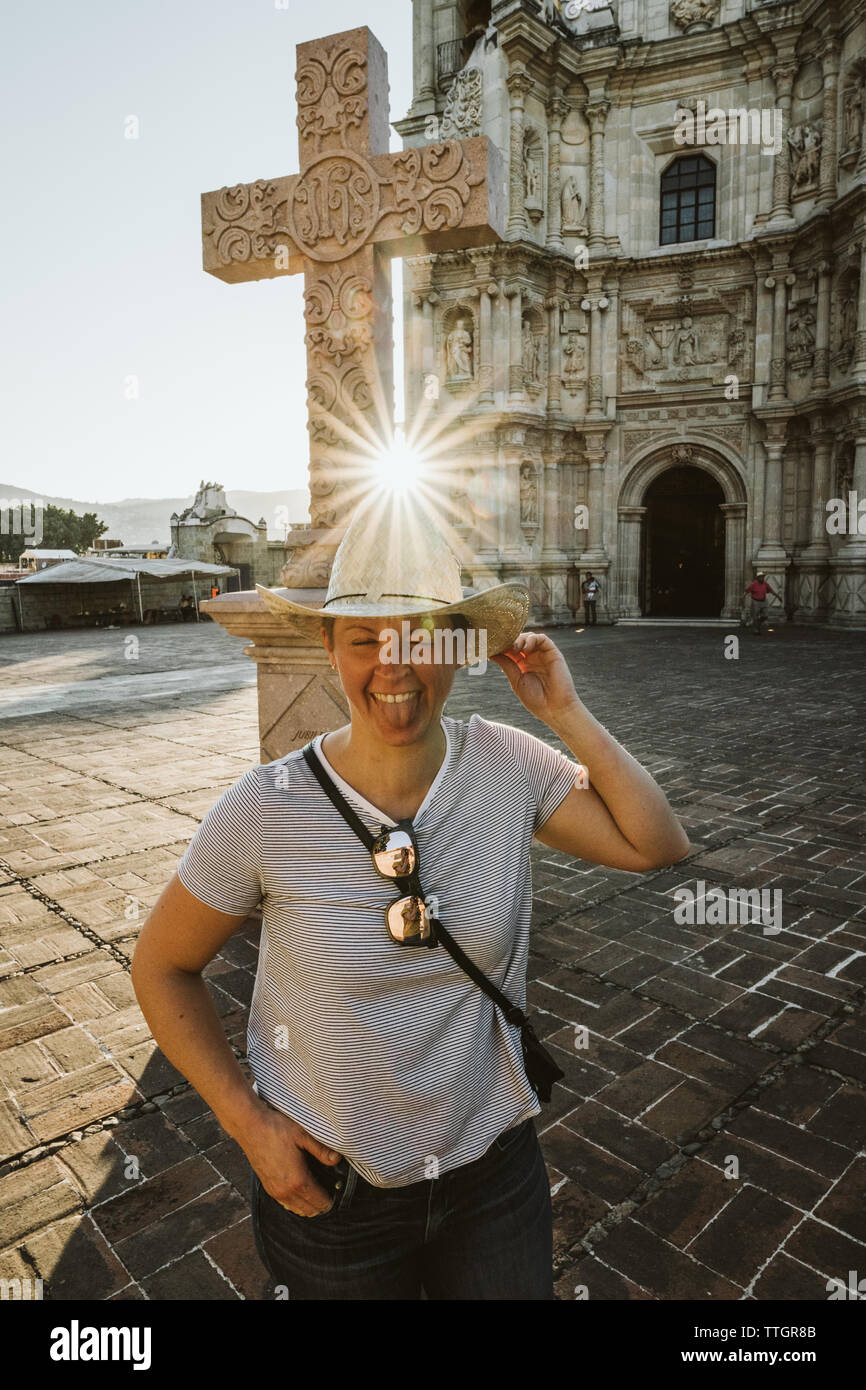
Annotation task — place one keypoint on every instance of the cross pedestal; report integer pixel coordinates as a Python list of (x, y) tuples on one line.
[(352, 206)]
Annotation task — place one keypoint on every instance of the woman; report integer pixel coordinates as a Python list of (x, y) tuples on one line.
[(390, 1130)]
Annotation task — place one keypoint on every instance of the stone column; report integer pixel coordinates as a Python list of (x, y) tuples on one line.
[(819, 545), (551, 549), (428, 364), (821, 380), (783, 76), (515, 355), (424, 46), (778, 283), (859, 363), (772, 556), (854, 541), (415, 377), (596, 114), (803, 506), (488, 294), (513, 535), (735, 539), (519, 84), (554, 356), (628, 560), (596, 452), (595, 306), (774, 448), (827, 179), (557, 110), (299, 695)]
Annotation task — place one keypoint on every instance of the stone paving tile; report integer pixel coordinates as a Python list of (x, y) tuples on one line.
[(660, 1027)]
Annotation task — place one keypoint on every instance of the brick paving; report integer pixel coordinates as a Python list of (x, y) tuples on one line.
[(708, 1141)]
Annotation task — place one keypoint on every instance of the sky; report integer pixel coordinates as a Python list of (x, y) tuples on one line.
[(104, 293)]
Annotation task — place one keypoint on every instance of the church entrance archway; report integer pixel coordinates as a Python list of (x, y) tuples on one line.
[(683, 571)]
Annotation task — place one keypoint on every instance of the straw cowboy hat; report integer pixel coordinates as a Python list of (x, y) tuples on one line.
[(394, 562)]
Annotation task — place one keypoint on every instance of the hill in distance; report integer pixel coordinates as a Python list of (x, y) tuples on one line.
[(141, 520)]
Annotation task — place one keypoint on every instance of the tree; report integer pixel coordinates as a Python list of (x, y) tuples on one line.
[(61, 530)]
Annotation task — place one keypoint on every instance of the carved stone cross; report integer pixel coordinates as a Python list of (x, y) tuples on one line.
[(351, 207)]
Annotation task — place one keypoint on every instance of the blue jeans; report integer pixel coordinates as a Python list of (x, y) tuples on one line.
[(481, 1231)]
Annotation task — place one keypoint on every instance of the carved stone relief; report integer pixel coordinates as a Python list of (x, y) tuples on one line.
[(689, 341), (694, 15), (464, 106)]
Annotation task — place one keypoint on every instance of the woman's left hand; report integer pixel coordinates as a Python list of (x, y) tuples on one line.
[(538, 675)]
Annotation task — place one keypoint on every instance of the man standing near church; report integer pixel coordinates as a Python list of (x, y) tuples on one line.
[(758, 590), (589, 589)]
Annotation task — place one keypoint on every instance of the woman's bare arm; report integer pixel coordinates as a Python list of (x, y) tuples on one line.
[(622, 818), (179, 938)]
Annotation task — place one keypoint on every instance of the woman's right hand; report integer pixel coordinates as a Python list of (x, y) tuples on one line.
[(275, 1147)]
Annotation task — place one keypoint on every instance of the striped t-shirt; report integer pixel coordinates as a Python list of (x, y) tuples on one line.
[(389, 1054)]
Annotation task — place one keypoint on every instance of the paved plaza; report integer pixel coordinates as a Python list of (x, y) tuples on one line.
[(709, 1141)]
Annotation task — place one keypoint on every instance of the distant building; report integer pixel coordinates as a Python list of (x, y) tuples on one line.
[(154, 551), (32, 560), (212, 531)]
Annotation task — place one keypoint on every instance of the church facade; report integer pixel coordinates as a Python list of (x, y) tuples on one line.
[(660, 373)]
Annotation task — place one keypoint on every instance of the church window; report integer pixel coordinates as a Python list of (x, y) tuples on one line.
[(688, 200)]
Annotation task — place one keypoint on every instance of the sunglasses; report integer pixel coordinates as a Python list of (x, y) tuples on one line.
[(395, 856)]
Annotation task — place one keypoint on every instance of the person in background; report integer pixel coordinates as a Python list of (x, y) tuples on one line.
[(758, 590), (187, 608), (589, 589)]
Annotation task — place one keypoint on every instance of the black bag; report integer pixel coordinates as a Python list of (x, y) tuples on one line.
[(542, 1071)]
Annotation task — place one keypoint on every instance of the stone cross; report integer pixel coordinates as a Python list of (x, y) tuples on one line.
[(351, 207)]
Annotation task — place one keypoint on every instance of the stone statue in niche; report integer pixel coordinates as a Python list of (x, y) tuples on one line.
[(853, 116), (805, 145), (528, 496), (458, 350), (532, 182), (574, 365), (531, 353), (571, 204), (848, 320)]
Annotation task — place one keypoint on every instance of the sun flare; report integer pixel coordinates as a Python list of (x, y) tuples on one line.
[(398, 467)]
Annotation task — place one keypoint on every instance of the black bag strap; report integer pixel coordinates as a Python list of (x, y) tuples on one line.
[(513, 1014)]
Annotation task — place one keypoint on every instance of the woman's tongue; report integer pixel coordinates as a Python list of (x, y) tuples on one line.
[(398, 713)]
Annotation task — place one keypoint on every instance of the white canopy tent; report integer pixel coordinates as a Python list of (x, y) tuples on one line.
[(110, 571)]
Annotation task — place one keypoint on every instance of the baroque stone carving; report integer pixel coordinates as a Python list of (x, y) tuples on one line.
[(463, 106), (686, 14)]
